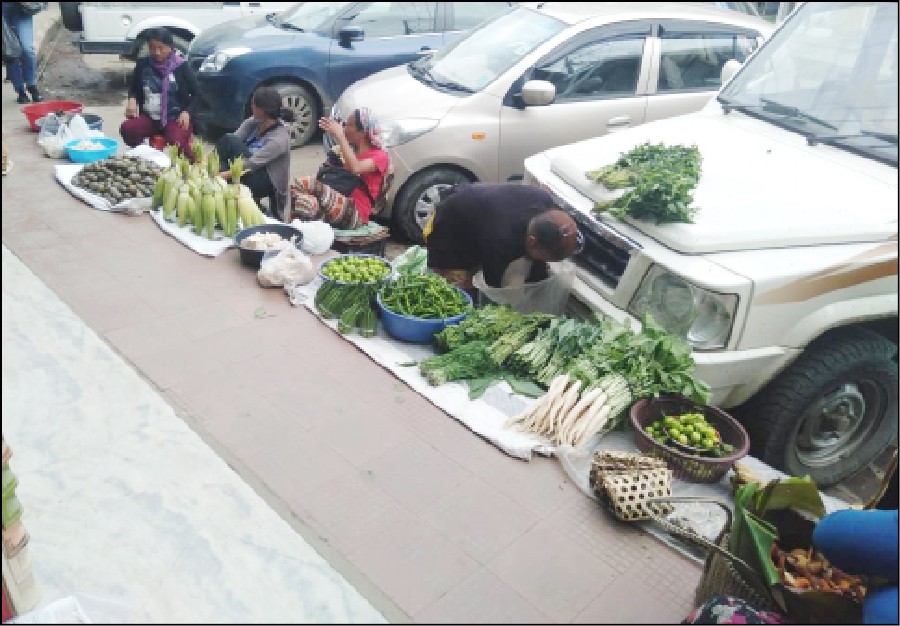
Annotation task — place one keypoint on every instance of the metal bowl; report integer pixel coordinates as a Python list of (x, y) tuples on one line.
[(252, 257)]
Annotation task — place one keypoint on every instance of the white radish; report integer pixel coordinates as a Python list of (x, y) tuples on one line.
[(594, 425), (568, 401), (528, 412), (554, 392), (577, 412), (589, 414)]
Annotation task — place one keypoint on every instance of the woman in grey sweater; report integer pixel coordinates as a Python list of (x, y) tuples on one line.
[(265, 143)]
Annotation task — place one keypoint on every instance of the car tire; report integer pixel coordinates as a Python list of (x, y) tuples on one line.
[(832, 412), (71, 16), (416, 201), (299, 101)]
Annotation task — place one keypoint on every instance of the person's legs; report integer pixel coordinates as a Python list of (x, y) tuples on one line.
[(26, 66), (14, 67), (177, 136), (229, 147), (136, 129), (260, 185)]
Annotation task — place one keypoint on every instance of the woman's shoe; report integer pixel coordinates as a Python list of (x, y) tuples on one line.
[(23, 98), (35, 94)]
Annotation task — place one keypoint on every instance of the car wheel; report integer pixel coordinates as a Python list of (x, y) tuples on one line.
[(299, 101), (71, 16), (415, 203), (831, 412)]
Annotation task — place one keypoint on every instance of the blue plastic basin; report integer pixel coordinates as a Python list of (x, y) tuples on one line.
[(89, 156), (416, 329)]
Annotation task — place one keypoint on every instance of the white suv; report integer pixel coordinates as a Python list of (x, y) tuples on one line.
[(785, 284)]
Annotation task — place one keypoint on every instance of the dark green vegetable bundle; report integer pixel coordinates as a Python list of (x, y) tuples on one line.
[(485, 323), (466, 361), (425, 296), (662, 179)]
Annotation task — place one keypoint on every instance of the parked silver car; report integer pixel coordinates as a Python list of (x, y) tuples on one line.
[(540, 75)]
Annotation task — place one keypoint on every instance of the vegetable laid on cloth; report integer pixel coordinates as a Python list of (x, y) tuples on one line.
[(661, 178), (424, 296)]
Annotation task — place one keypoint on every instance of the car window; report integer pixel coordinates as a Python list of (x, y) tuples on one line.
[(467, 15), (487, 51), (598, 69), (693, 61), (394, 19), (312, 15)]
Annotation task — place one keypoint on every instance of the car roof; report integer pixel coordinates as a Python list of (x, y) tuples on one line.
[(575, 12)]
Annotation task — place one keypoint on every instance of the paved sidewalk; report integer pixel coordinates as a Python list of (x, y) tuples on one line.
[(424, 519)]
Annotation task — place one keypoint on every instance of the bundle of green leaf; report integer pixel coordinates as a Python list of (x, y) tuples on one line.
[(464, 362), (485, 323), (413, 261), (652, 361), (424, 296), (662, 180)]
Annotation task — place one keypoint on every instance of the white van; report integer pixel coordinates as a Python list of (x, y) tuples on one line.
[(116, 27), (785, 284)]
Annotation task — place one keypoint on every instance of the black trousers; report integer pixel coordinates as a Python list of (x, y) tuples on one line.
[(229, 148)]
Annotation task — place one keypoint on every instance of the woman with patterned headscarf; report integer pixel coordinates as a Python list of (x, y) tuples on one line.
[(358, 148)]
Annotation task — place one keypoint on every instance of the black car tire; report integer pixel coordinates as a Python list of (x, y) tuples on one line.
[(303, 105), (842, 390), (71, 16), (415, 203)]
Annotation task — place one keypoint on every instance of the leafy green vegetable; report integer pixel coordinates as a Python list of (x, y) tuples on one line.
[(662, 179), (486, 323), (466, 361)]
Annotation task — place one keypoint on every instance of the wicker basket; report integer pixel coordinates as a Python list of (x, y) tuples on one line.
[(689, 466), (724, 574)]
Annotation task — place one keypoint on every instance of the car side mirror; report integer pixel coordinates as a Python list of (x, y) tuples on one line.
[(729, 69), (536, 93), (349, 34)]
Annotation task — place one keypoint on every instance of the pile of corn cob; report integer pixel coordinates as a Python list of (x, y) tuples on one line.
[(195, 194)]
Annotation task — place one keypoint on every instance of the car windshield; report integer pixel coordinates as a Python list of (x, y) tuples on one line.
[(311, 15), (831, 74), (487, 51)]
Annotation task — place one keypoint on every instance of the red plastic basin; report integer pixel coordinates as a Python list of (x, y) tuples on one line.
[(34, 112)]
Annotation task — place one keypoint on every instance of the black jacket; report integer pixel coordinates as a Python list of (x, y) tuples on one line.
[(188, 91)]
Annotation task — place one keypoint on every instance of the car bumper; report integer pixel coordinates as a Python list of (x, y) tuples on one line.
[(733, 375)]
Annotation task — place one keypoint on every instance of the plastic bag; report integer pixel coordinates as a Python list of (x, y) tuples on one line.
[(79, 128), (54, 135), (317, 236), (285, 266), (547, 296)]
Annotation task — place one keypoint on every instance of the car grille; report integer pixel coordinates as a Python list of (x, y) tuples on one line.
[(606, 252)]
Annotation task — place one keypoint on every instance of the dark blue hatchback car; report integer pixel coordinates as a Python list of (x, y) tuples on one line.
[(312, 51)]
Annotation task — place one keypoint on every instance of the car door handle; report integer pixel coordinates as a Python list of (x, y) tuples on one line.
[(424, 51), (619, 121)]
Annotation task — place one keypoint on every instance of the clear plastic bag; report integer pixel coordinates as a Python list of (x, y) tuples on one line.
[(285, 266), (547, 296), (54, 135)]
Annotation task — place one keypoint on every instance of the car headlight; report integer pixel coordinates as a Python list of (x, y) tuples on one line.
[(702, 317), (396, 133), (217, 61)]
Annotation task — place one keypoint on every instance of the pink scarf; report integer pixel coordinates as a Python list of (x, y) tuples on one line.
[(172, 62)]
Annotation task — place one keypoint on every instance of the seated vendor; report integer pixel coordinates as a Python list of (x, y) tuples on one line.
[(509, 231)]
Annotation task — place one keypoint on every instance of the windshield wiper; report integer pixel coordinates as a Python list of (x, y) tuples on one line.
[(885, 137), (793, 112), (451, 84)]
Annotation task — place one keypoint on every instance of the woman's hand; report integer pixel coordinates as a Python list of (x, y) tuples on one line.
[(184, 119), (131, 108), (331, 126)]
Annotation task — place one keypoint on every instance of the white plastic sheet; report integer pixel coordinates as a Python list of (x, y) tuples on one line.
[(65, 172)]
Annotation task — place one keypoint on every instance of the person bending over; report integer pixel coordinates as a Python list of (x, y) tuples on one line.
[(509, 231)]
